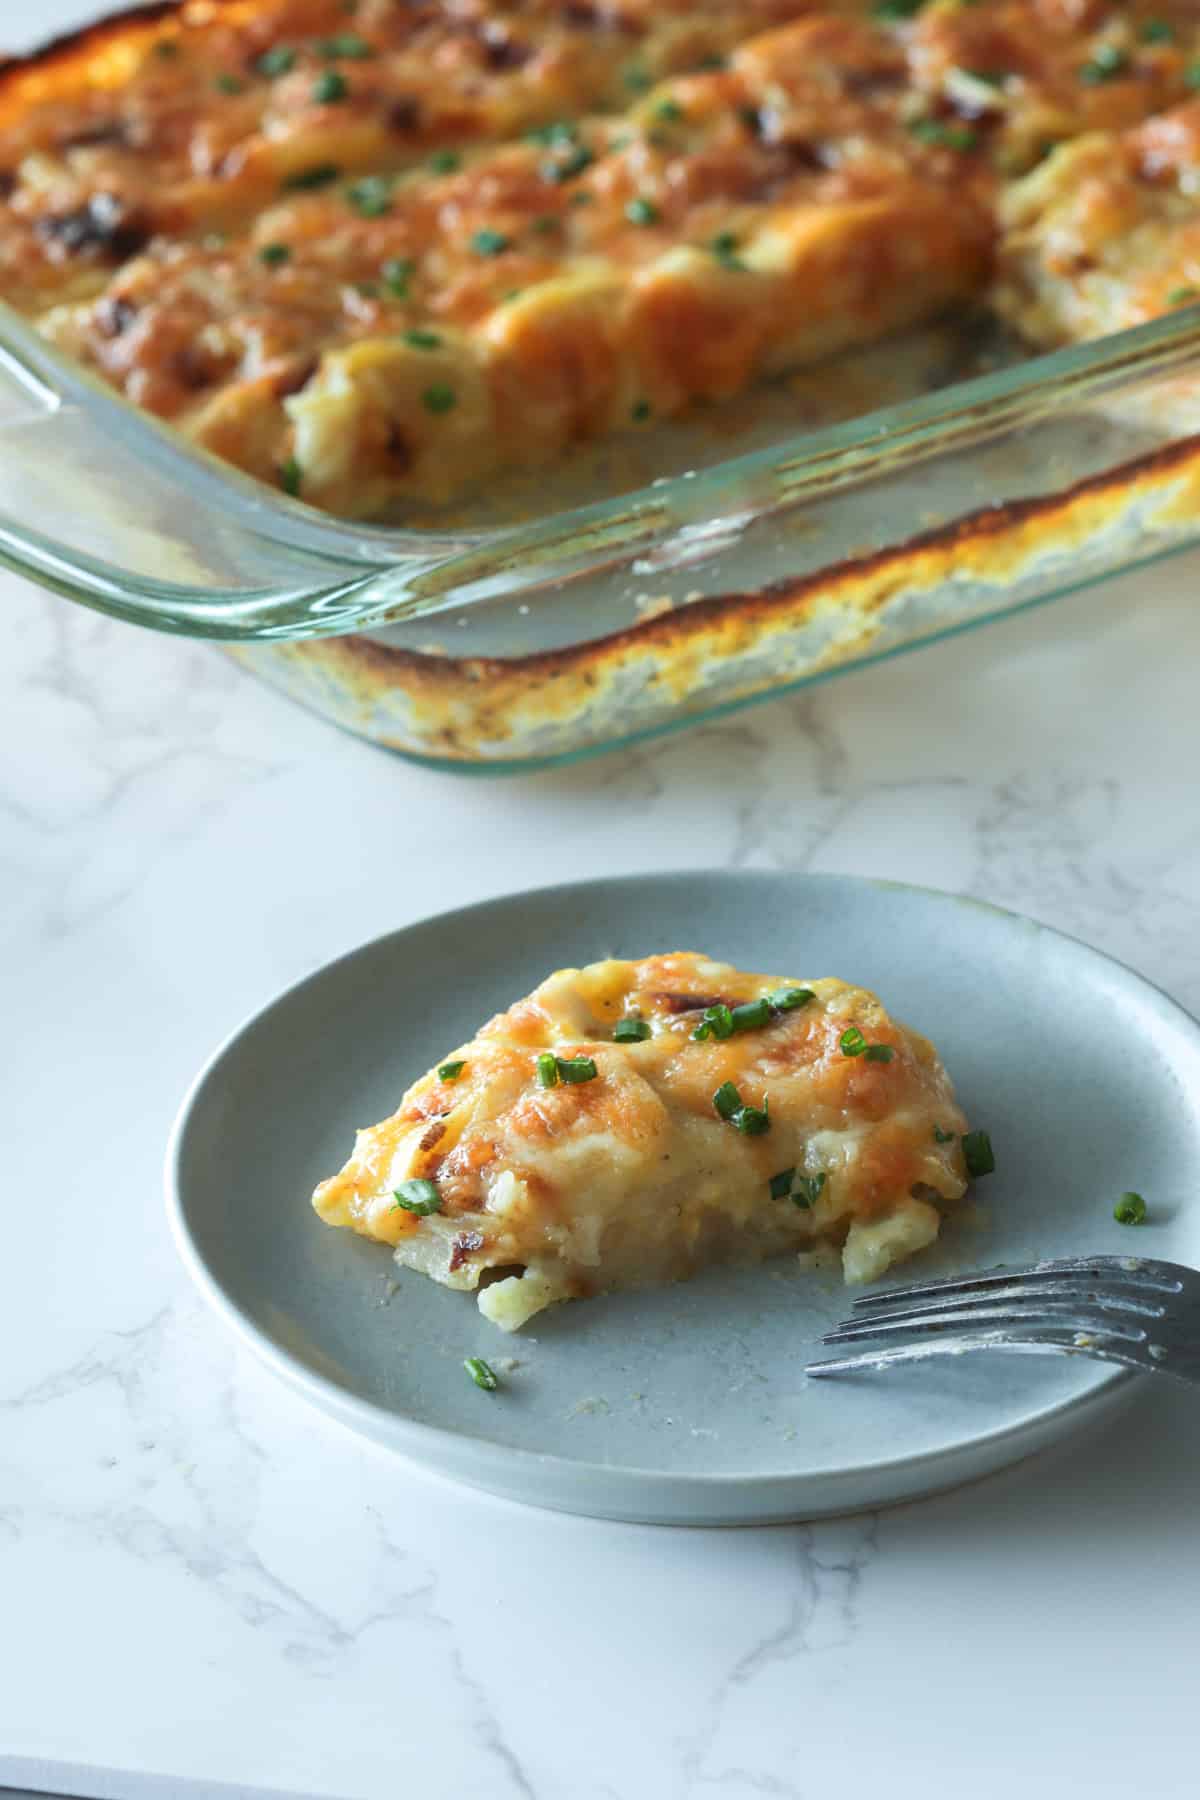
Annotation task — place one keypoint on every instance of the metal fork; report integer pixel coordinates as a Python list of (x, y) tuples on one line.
[(1123, 1309)]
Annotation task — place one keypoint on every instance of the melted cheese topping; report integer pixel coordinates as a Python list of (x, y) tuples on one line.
[(382, 257), (633, 1177)]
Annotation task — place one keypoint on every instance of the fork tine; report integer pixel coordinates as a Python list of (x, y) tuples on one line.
[(1017, 1298), (1128, 1271), (934, 1322), (925, 1349)]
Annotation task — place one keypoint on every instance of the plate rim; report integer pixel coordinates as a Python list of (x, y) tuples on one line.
[(385, 1425)]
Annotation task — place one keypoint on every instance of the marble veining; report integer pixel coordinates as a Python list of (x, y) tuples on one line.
[(202, 1581)]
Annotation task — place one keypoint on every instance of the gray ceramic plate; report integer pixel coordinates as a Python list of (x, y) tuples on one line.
[(689, 1404)]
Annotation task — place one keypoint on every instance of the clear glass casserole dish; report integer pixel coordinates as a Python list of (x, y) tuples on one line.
[(622, 599)]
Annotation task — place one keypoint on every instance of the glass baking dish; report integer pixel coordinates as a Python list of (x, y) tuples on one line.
[(631, 593)]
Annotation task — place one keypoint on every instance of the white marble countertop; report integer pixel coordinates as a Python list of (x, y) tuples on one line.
[(204, 1582), (202, 1579)]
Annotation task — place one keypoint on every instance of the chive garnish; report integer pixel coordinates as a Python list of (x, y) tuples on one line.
[(291, 475), (417, 1196), (788, 999), (711, 64), (371, 197), (481, 1374), (637, 80), (439, 398), (978, 1154), (576, 1068), (489, 243), (725, 247), (630, 1031), (423, 340), (559, 131), (750, 1015), (950, 137), (330, 86), (348, 47), (1191, 75), (897, 9), (642, 212), (444, 162), (640, 411), (852, 1041), (752, 1121), (397, 272), (803, 1190), (878, 1053), (1182, 296), (450, 1071), (1107, 61), (1130, 1210), (565, 168), (669, 111), (727, 1100), (1157, 31), (320, 175), (942, 1137), (807, 1191), (274, 254), (547, 1070), (279, 61), (716, 1021), (228, 84)]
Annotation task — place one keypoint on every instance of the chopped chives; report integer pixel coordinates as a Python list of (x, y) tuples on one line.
[(576, 1068), (279, 61), (348, 46), (852, 1041), (547, 1070), (320, 175), (710, 64), (879, 1053), (1108, 60), (1157, 31), (489, 243), (291, 476), (942, 1137), (717, 1021), (788, 999), (450, 1071), (781, 1184), (371, 197), (1182, 296), (559, 131), (897, 9), (727, 1100), (752, 1121), (669, 111), (417, 1196), (951, 137), (423, 340), (750, 1015), (274, 254), (1130, 1210), (397, 272), (439, 398), (807, 1191), (637, 80), (640, 411), (1191, 75), (444, 162), (565, 168), (330, 86), (640, 211), (630, 1031), (481, 1373), (978, 1154), (228, 84)]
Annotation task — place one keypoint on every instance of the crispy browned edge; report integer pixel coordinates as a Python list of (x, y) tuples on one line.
[(67, 56), (464, 707)]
